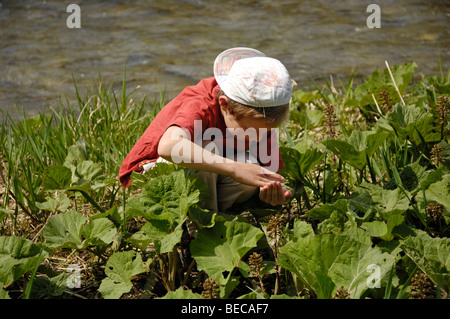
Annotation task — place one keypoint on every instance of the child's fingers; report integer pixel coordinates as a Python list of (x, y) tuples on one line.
[(263, 194), (268, 180), (271, 175), (276, 194), (269, 192), (286, 193), (280, 194), (272, 193)]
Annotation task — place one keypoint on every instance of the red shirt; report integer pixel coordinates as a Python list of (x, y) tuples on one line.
[(197, 102)]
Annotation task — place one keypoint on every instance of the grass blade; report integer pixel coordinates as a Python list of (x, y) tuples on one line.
[(33, 275)]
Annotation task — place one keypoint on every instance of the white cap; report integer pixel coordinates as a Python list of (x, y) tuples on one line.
[(248, 77)]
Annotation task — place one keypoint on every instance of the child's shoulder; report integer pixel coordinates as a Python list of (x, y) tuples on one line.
[(206, 87), (202, 95), (198, 101)]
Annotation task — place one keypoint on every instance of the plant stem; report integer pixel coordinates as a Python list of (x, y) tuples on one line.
[(395, 84), (33, 275), (277, 269), (188, 272), (89, 199), (163, 271), (172, 268)]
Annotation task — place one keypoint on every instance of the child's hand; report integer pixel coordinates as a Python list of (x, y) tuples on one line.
[(274, 193), (254, 175)]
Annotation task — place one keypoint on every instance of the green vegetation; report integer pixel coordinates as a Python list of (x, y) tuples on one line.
[(368, 166)]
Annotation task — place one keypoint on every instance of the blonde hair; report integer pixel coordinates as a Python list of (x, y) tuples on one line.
[(271, 115)]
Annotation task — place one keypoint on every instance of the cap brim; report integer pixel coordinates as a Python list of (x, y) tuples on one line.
[(226, 59)]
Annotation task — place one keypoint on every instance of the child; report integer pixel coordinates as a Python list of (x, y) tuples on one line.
[(224, 127)]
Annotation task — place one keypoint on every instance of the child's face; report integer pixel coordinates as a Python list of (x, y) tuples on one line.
[(246, 128)]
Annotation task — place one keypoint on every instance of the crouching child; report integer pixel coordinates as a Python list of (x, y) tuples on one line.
[(224, 127)]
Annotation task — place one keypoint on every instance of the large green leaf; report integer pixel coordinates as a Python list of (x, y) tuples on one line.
[(165, 202), (44, 287), (17, 256), (413, 123), (298, 163), (383, 229), (99, 231), (75, 154), (82, 169), (120, 268), (168, 197), (306, 118), (411, 176), (323, 212), (431, 255), (202, 217), (327, 262), (357, 148), (220, 248), (347, 152), (69, 230), (87, 171), (157, 232), (154, 232), (56, 177), (55, 204), (301, 229), (64, 230), (386, 200), (440, 192)]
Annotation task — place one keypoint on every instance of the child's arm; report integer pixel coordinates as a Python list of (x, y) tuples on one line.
[(175, 142)]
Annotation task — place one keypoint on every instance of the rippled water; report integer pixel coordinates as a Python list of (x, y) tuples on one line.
[(174, 43)]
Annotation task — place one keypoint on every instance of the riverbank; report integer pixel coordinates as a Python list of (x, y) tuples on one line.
[(368, 164)]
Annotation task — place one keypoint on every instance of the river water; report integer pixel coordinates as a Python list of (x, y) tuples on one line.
[(168, 44)]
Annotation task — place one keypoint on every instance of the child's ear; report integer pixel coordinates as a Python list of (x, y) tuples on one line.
[(223, 103)]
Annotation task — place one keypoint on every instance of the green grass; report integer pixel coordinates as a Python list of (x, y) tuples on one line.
[(102, 123)]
